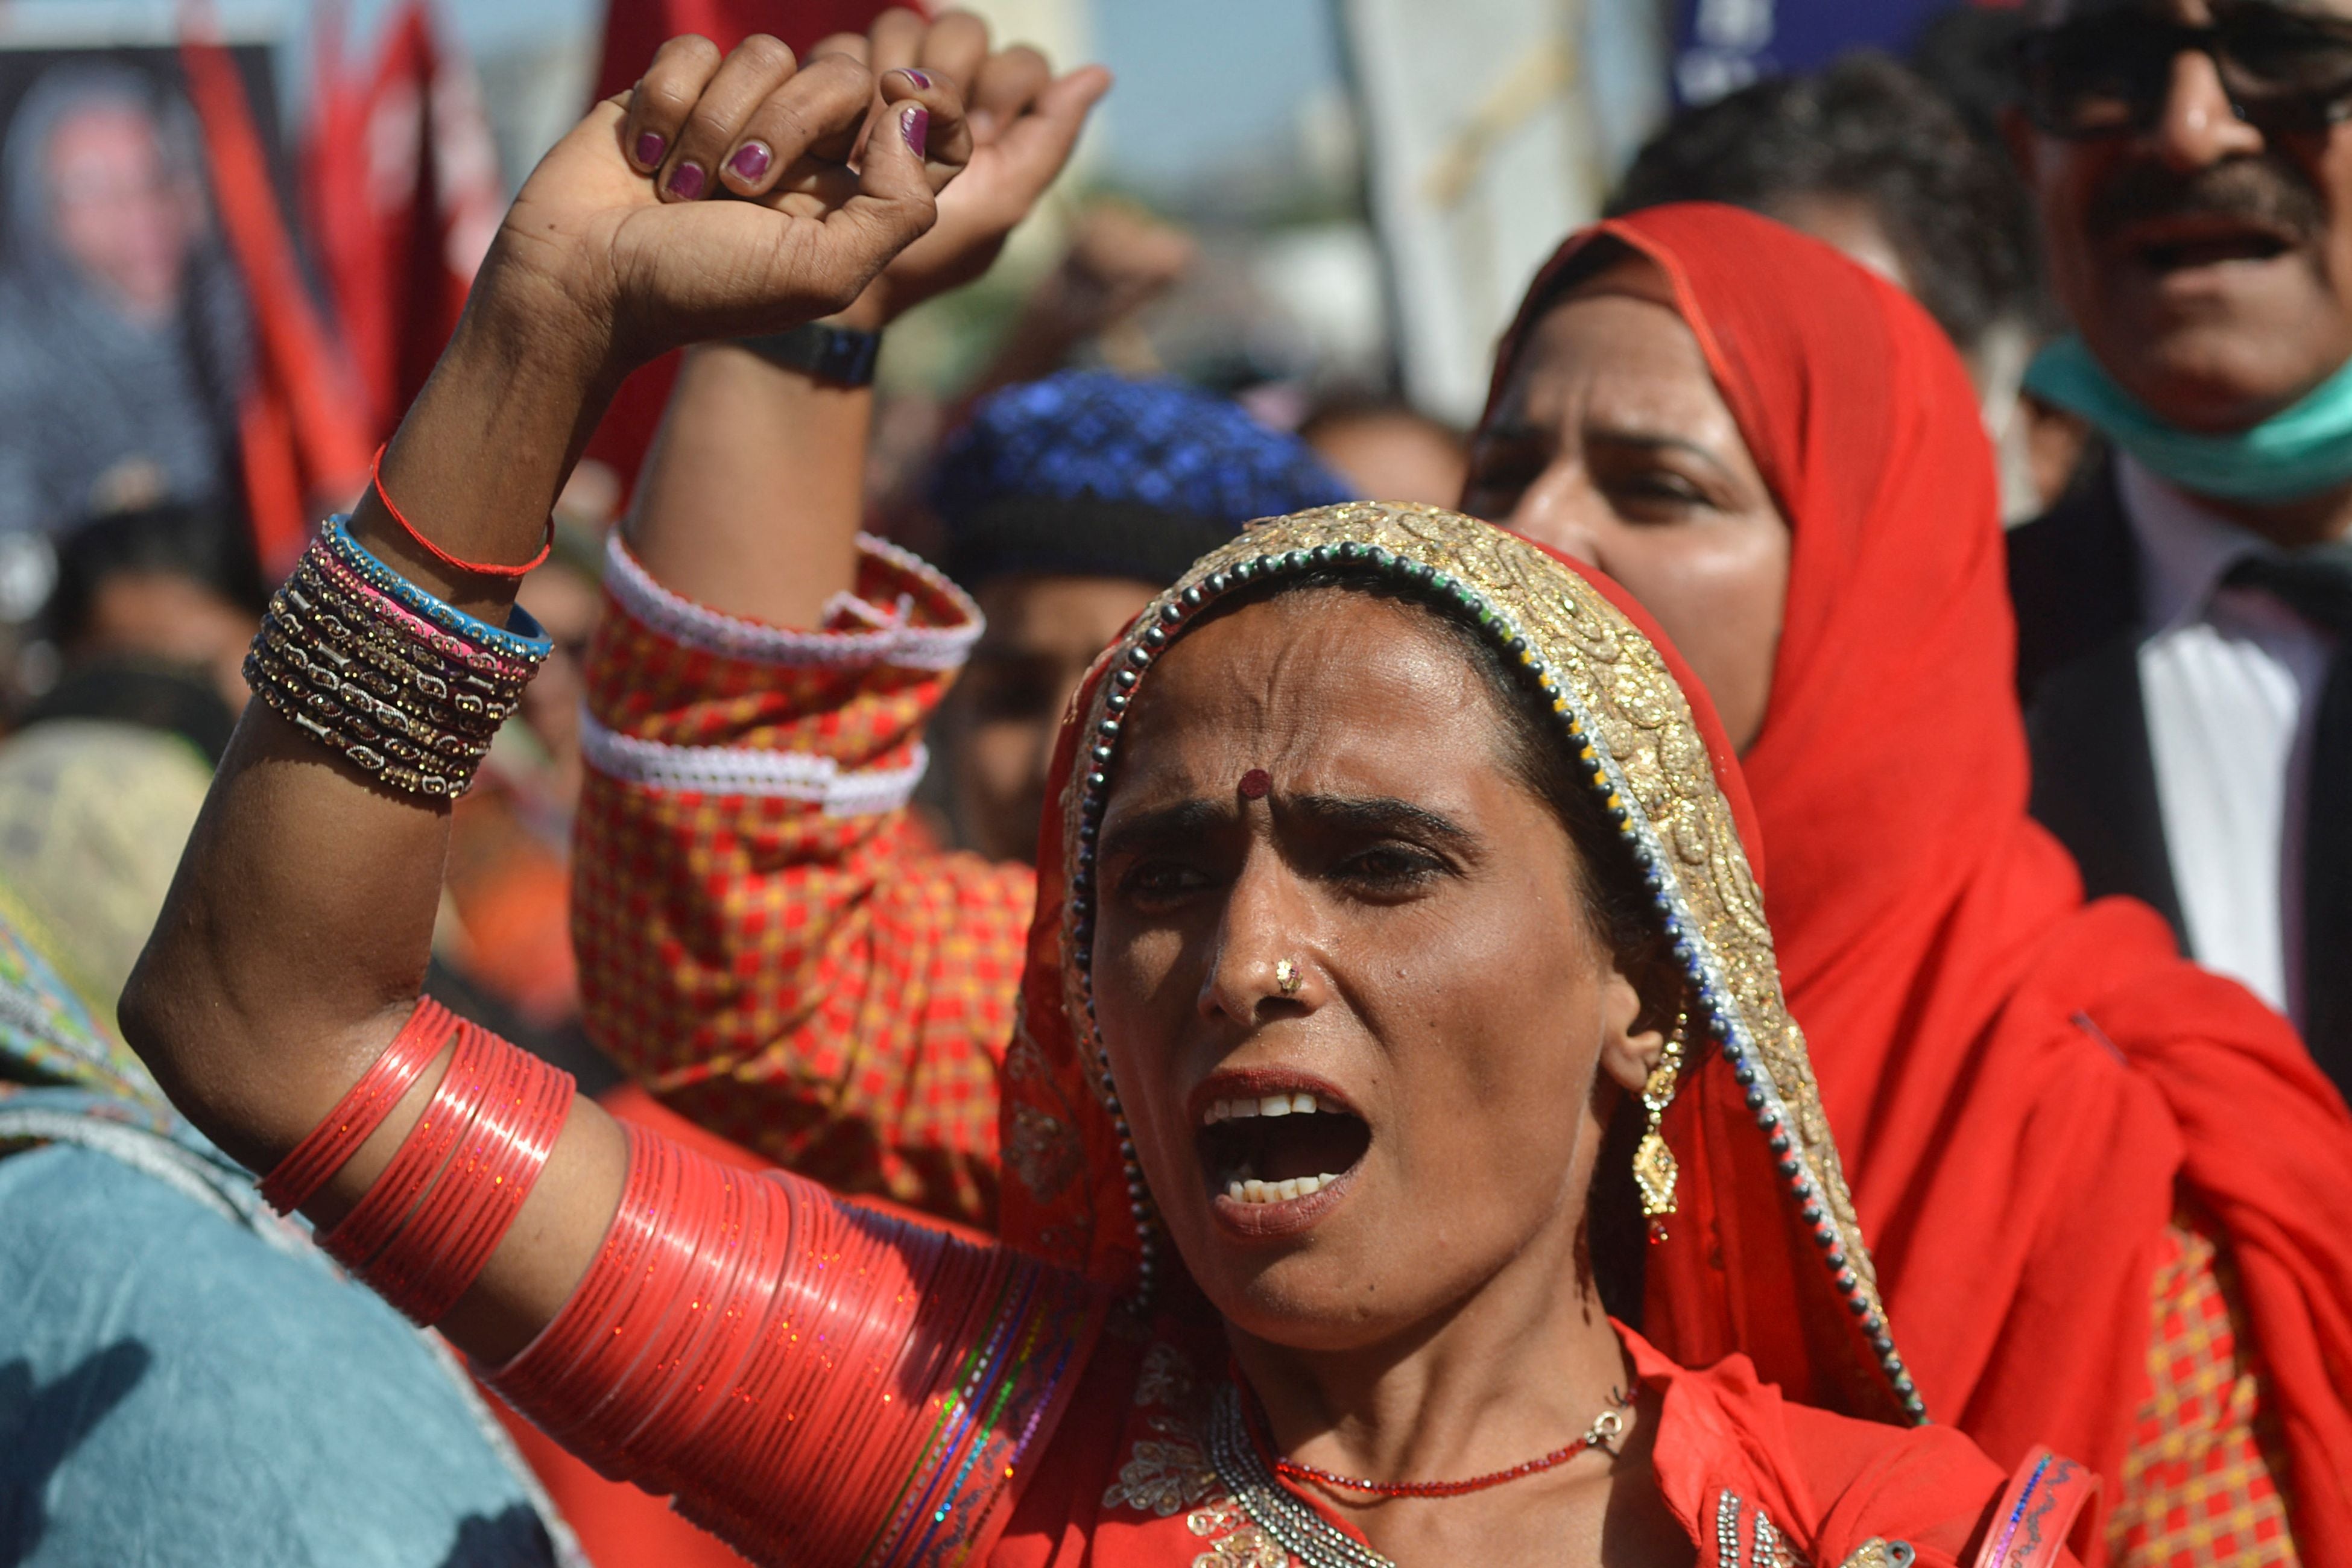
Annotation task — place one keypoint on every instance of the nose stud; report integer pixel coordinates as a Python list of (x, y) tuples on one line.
[(1287, 978)]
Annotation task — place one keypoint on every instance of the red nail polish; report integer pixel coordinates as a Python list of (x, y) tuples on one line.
[(685, 182), (917, 77), (650, 147), (750, 161), (915, 126)]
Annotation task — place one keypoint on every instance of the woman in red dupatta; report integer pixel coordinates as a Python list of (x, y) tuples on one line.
[(1075, 1398), (1397, 929), (2100, 1179)]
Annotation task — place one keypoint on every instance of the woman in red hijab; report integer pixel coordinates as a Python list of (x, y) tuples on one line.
[(1398, 955), (2100, 1179)]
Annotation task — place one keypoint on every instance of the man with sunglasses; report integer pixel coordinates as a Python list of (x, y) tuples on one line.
[(2185, 616)]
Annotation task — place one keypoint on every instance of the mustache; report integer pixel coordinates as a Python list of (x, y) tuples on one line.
[(2259, 191)]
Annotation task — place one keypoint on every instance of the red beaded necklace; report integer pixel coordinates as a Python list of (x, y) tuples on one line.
[(1603, 1434)]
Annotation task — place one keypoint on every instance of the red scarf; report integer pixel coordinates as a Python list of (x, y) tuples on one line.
[(2023, 1087), (1741, 1274)]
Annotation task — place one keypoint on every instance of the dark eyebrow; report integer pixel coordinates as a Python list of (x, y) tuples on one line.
[(1516, 433), (1181, 823), (1652, 441), (1503, 430), (1187, 820), (1382, 813)]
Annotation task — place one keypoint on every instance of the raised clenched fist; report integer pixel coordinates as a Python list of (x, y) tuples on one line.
[(1024, 122), (723, 196)]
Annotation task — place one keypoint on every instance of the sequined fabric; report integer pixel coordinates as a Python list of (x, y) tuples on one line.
[(814, 982), (2200, 1484)]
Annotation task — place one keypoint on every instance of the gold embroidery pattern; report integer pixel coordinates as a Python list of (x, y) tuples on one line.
[(1169, 1473), (1173, 1474), (1162, 1478), (1619, 689), (1167, 1378), (1042, 1150), (1241, 1544)]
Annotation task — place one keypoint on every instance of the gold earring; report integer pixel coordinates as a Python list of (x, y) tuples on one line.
[(1653, 1163), (1287, 978)]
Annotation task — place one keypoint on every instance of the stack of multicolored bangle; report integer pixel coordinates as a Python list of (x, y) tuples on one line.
[(404, 688)]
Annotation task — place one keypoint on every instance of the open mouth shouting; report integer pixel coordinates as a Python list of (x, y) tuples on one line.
[(1277, 1149)]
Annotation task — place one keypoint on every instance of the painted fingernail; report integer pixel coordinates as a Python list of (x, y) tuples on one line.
[(650, 147), (750, 161), (685, 182), (917, 77), (915, 125)]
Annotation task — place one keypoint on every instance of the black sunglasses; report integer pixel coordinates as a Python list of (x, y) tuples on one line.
[(2110, 75)]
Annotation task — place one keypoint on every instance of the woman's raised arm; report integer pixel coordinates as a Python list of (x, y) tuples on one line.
[(296, 936), (856, 1041), (751, 498)]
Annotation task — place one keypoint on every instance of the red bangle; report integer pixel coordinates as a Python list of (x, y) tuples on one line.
[(540, 1376), (380, 1216), (296, 1179), (433, 1259), (741, 1315), (408, 1257), (654, 1381), (528, 1133), (710, 1354), (480, 568)]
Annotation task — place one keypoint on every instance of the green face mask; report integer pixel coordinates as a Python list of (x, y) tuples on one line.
[(2298, 451)]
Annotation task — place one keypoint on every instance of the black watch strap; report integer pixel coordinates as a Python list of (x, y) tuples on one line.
[(837, 354)]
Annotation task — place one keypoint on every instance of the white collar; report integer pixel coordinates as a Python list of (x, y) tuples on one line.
[(2185, 547)]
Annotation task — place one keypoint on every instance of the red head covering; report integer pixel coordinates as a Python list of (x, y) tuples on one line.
[(1763, 1257), (2023, 1087)]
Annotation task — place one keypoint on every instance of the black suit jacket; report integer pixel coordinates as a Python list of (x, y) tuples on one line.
[(2074, 578)]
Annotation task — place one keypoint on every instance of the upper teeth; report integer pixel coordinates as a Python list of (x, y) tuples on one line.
[(1265, 1105)]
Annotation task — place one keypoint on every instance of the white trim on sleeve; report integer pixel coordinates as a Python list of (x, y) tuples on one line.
[(748, 771), (891, 640)]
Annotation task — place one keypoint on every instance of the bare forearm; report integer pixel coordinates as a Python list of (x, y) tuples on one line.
[(297, 933), (302, 915), (752, 499)]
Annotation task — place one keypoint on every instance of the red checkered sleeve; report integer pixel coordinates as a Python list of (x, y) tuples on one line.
[(766, 942)]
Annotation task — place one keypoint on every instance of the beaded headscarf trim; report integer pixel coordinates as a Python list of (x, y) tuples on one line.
[(1619, 706)]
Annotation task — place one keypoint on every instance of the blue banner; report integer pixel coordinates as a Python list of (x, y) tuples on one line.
[(1721, 46)]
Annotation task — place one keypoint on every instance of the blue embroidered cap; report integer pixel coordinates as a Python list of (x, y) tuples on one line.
[(1095, 475)]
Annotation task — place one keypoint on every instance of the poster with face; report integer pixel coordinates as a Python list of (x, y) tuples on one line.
[(125, 329)]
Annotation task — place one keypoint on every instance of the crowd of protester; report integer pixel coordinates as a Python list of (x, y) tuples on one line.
[(1747, 962)]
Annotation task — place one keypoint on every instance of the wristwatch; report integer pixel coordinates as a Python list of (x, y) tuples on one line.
[(837, 354)]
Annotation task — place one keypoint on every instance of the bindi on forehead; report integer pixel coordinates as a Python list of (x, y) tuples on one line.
[(1255, 784)]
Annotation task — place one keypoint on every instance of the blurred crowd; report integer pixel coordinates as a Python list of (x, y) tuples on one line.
[(2131, 221)]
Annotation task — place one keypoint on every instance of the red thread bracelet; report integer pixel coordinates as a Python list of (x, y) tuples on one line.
[(296, 1179), (480, 568)]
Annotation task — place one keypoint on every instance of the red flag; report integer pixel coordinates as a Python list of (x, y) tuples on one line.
[(401, 188), (301, 430), (633, 29)]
